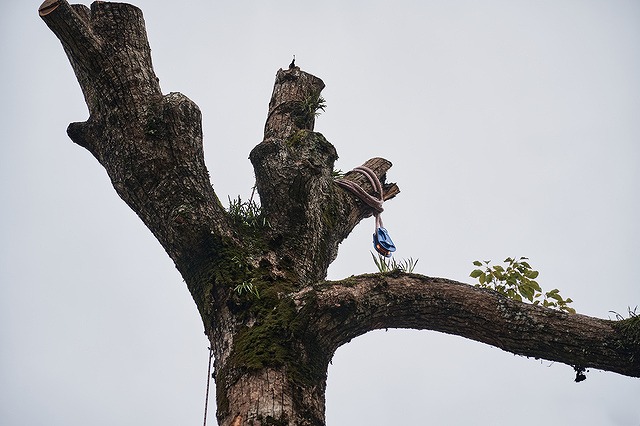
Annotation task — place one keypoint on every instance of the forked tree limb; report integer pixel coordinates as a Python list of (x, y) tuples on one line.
[(149, 144), (272, 321)]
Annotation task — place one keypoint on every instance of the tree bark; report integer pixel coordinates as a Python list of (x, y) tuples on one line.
[(258, 282), (346, 309)]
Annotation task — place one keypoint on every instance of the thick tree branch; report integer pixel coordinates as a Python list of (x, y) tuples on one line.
[(293, 105), (149, 144), (308, 214), (346, 309), (108, 48)]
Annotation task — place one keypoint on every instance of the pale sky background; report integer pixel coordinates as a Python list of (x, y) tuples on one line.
[(514, 129)]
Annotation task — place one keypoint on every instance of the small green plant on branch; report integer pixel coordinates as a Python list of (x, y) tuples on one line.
[(246, 214), (248, 288), (633, 313), (390, 265), (517, 280), (241, 267), (337, 174), (305, 111), (250, 221), (629, 327)]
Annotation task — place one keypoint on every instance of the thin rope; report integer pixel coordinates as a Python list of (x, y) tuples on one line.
[(206, 397)]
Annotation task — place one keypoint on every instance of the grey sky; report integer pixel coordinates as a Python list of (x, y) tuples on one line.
[(514, 130)]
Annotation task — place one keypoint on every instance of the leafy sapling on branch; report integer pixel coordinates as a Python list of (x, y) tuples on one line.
[(517, 280)]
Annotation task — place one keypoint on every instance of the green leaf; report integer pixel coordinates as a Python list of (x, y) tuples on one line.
[(527, 291), (555, 296), (477, 263), (476, 273), (535, 285)]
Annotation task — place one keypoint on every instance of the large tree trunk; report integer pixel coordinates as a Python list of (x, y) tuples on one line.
[(258, 282)]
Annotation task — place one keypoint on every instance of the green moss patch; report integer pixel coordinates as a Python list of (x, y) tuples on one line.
[(629, 331), (278, 337)]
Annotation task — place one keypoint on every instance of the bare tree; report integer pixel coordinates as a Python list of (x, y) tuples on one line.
[(258, 276)]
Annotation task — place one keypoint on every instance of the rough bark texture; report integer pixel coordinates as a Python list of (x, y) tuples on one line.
[(272, 351)]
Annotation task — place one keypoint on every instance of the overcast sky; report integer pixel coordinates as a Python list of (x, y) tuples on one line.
[(514, 129)]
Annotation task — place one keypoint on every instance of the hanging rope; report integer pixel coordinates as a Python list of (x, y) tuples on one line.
[(381, 240), (206, 397)]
